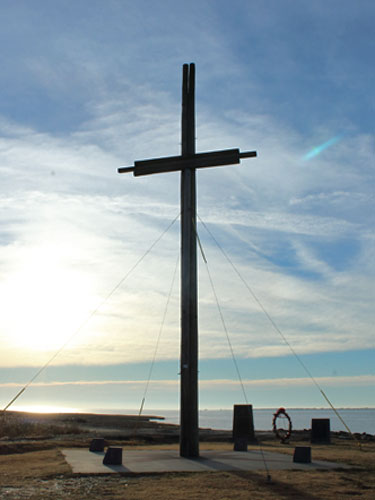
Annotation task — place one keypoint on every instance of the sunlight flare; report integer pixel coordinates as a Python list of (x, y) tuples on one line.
[(44, 301), (322, 147)]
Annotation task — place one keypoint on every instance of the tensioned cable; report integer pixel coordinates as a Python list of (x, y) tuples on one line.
[(260, 304), (159, 336), (229, 341), (91, 314), (279, 331), (226, 332)]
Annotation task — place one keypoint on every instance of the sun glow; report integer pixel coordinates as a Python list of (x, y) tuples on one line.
[(44, 302), (45, 409)]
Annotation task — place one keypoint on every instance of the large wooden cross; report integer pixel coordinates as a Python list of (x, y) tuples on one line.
[(187, 163)]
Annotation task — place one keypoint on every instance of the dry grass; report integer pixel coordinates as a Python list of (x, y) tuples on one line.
[(17, 426), (343, 451), (32, 467), (45, 475), (18, 467)]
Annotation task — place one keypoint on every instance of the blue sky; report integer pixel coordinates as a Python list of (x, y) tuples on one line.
[(88, 86)]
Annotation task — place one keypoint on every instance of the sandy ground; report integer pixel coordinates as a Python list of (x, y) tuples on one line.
[(33, 467)]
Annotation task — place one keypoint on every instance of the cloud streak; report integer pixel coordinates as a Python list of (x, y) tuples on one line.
[(353, 381), (83, 101), (105, 229)]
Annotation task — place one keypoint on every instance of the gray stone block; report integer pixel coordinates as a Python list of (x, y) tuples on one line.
[(240, 444), (302, 455), (97, 444), (243, 423), (320, 430), (113, 456)]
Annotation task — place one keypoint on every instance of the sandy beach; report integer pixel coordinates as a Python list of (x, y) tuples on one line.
[(32, 465)]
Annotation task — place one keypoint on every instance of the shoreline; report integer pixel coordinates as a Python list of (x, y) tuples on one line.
[(135, 411), (149, 427)]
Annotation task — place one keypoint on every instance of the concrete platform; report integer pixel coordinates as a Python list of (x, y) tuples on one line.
[(149, 461)]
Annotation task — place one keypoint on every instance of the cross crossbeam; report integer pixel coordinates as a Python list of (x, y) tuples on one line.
[(187, 163), (175, 163)]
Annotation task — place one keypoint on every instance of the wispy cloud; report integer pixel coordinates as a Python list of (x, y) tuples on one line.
[(81, 101), (353, 381), (49, 210)]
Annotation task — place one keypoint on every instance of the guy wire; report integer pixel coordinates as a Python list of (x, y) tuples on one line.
[(90, 315), (159, 337), (229, 343), (279, 331)]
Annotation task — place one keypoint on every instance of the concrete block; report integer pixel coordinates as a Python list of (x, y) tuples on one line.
[(302, 455), (113, 456), (240, 444), (97, 444), (320, 430), (243, 423)]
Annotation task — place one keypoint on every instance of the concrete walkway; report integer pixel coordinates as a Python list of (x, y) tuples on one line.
[(150, 461)]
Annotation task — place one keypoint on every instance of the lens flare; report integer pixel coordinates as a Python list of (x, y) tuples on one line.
[(319, 149)]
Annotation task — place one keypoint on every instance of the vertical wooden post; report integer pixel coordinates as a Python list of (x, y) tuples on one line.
[(189, 434), (188, 162)]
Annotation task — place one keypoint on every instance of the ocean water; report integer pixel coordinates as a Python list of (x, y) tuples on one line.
[(357, 419)]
